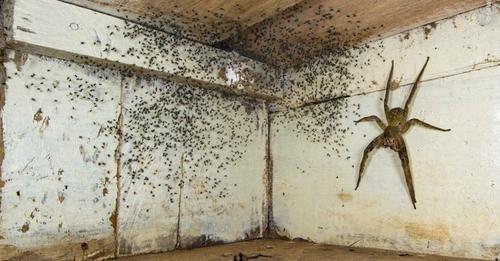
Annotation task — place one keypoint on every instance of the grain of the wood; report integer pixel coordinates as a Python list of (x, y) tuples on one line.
[(243, 12), (455, 46), (298, 33), (72, 32)]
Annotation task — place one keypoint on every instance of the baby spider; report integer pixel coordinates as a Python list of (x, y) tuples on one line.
[(392, 137)]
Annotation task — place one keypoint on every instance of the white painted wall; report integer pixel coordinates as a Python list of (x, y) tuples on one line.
[(58, 162), (456, 174), (68, 31), (212, 144), (121, 165), (61, 171)]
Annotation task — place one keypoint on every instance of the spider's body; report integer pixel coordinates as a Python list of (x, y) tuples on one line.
[(392, 137)]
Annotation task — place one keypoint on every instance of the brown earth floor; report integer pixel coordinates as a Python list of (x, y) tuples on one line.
[(267, 250)]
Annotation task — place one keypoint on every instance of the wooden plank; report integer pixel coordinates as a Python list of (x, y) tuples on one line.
[(455, 173), (71, 32), (208, 21), (223, 199), (59, 170), (148, 213), (192, 168), (455, 46), (314, 27)]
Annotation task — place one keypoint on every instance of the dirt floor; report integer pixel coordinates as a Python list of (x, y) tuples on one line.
[(261, 250)]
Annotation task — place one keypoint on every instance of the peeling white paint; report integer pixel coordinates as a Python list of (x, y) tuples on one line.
[(57, 162)]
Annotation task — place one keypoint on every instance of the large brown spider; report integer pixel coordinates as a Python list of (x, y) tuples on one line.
[(392, 137)]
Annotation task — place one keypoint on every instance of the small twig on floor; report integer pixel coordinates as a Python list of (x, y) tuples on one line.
[(354, 243)]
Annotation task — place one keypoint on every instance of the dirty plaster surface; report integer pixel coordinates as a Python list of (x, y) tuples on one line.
[(269, 249)]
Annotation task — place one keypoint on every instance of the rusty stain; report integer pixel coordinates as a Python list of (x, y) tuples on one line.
[(428, 28), (38, 115), (222, 74), (20, 59), (344, 197), (25, 227), (104, 192), (438, 232), (60, 197), (113, 218), (45, 122)]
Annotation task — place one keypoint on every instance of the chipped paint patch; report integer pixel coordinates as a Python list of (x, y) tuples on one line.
[(47, 182)]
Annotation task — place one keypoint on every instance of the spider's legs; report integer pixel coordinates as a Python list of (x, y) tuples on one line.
[(412, 122), (376, 143), (405, 162), (387, 89), (414, 88), (373, 118)]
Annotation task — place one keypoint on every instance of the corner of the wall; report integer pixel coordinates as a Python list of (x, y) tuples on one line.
[(3, 78)]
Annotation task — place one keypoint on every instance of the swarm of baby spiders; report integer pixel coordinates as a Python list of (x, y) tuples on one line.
[(392, 137)]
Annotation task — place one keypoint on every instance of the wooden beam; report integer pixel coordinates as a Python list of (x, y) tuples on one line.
[(455, 46), (207, 21), (70, 32), (315, 27)]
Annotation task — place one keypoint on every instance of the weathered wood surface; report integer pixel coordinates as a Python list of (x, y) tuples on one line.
[(312, 26), (59, 168), (192, 169), (67, 31), (457, 45), (207, 21), (189, 162)]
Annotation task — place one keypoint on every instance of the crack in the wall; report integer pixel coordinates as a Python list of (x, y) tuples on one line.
[(268, 179), (181, 185), (118, 134), (3, 86)]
